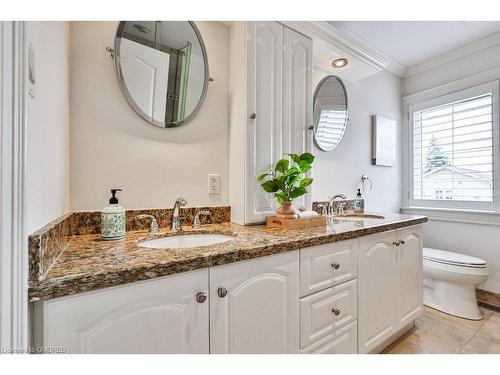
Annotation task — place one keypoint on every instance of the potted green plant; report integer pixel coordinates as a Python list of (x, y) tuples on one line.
[(287, 181)]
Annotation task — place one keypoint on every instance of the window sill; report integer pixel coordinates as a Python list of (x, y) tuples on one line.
[(455, 216)]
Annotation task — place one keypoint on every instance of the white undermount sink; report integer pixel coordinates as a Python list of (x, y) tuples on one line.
[(185, 241)]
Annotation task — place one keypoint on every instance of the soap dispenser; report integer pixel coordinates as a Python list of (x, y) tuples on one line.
[(113, 219), (359, 203)]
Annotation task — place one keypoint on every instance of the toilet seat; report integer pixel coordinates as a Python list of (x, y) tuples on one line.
[(452, 259)]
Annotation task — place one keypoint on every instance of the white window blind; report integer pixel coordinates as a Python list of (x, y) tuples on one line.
[(331, 127), (453, 157)]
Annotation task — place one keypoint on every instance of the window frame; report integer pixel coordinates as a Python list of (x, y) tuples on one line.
[(409, 200)]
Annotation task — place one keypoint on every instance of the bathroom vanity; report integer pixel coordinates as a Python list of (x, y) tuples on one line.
[(350, 287)]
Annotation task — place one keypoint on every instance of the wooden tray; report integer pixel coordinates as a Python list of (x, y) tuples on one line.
[(306, 222)]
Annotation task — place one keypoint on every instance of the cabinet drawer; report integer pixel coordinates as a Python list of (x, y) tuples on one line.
[(344, 341), (323, 313), (327, 265)]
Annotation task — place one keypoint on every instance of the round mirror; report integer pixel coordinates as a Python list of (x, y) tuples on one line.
[(162, 69), (330, 113)]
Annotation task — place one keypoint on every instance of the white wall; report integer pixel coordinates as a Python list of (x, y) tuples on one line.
[(111, 146), (340, 170), (48, 125), (482, 241)]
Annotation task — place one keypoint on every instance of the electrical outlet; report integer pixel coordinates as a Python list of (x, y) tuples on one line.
[(214, 184)]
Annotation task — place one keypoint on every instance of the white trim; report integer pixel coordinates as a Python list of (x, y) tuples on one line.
[(434, 97), (455, 216), (454, 55), (362, 49), (14, 239), (332, 35), (450, 87)]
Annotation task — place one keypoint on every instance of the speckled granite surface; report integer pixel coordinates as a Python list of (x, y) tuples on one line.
[(47, 243), (87, 263)]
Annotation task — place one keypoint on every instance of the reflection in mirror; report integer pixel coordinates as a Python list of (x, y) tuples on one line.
[(330, 112), (162, 69)]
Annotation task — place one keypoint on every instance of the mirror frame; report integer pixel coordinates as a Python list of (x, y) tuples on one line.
[(316, 92), (130, 100)]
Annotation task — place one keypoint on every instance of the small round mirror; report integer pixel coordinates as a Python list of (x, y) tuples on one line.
[(162, 69), (330, 112)]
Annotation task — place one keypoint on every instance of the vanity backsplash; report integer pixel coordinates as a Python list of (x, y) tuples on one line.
[(48, 242), (348, 208)]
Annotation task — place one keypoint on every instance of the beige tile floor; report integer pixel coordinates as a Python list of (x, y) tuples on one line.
[(439, 333)]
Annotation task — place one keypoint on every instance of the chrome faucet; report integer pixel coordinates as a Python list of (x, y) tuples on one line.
[(154, 224), (197, 222), (176, 222), (332, 199)]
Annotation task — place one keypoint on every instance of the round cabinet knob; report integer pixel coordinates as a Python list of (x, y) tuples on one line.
[(311, 127), (201, 297), (222, 292), (396, 243), (402, 242), (335, 266), (335, 311), (253, 115)]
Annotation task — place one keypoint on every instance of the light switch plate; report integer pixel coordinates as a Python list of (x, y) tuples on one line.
[(214, 184)]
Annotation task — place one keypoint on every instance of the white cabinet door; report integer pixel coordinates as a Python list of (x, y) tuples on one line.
[(158, 316), (260, 312), (376, 290), (409, 303), (264, 99), (297, 98)]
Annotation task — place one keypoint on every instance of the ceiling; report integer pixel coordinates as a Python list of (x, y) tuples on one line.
[(412, 42)]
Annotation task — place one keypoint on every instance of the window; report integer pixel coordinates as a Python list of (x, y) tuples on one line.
[(453, 150)]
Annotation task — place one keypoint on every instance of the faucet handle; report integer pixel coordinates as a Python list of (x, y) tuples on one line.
[(197, 223), (154, 224), (182, 201), (322, 208)]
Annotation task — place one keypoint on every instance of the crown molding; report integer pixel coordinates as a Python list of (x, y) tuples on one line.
[(377, 59), (339, 39), (453, 55)]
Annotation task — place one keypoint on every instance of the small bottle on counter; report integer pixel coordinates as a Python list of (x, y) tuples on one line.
[(113, 219), (359, 203)]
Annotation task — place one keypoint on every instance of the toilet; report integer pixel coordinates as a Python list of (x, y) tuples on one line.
[(450, 281)]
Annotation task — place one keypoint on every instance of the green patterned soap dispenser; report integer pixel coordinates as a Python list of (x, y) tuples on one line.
[(113, 219)]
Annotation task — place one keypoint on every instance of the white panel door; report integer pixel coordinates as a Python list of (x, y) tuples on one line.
[(376, 290), (264, 77), (409, 303), (297, 98), (145, 70), (257, 309), (158, 316)]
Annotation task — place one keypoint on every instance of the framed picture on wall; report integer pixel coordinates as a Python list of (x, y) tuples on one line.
[(383, 141)]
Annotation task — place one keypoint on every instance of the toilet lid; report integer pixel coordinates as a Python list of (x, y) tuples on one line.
[(449, 257)]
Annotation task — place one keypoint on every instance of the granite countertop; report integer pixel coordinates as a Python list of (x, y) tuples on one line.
[(89, 263)]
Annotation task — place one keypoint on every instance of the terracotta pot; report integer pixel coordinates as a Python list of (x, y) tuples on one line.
[(287, 211)]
